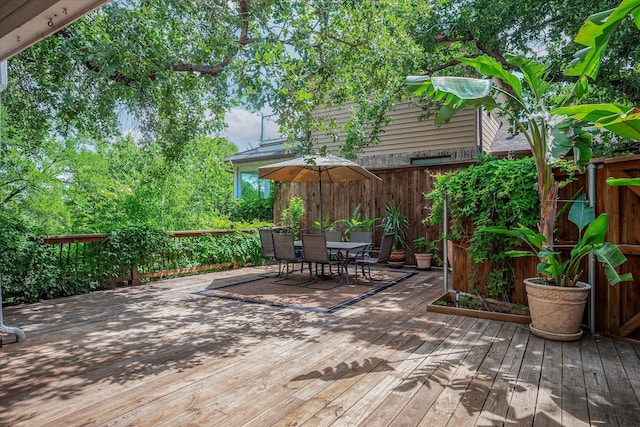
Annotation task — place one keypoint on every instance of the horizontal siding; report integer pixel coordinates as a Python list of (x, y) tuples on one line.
[(490, 126), (406, 134)]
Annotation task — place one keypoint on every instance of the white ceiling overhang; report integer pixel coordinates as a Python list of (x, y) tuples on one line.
[(25, 22)]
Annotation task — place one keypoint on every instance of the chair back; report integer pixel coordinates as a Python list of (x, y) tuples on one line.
[(283, 247), (360, 236), (266, 243), (314, 247), (333, 235), (386, 246)]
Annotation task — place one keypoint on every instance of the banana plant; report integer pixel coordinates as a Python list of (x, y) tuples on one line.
[(623, 120), (553, 269), (520, 95)]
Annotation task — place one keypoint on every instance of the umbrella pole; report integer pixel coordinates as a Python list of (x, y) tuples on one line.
[(321, 223)]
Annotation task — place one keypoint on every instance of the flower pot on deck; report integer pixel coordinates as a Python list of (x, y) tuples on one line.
[(556, 311), (423, 261)]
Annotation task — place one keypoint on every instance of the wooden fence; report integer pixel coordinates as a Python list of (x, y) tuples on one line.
[(406, 186), (618, 307)]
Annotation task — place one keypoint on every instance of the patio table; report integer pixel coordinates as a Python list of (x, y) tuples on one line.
[(340, 246)]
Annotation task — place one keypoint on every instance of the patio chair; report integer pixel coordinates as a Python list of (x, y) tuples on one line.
[(266, 243), (284, 250), (366, 257), (360, 236), (334, 235), (314, 249)]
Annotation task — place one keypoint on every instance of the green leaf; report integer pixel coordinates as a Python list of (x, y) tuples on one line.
[(533, 72), (463, 87), (488, 66), (581, 214), (619, 182), (595, 33), (616, 118), (594, 234), (610, 256)]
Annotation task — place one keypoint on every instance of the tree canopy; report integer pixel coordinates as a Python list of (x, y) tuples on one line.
[(175, 68), (178, 66)]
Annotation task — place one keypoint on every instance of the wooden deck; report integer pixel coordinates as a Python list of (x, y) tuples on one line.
[(157, 354)]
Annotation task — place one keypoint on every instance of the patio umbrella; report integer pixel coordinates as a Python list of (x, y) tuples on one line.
[(320, 169)]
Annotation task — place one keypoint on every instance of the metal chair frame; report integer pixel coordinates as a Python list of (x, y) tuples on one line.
[(284, 250), (365, 257), (314, 249)]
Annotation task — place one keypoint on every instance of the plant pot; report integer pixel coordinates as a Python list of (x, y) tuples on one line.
[(397, 256), (423, 261), (556, 311)]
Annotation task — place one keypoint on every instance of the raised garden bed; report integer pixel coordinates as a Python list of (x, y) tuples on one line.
[(485, 308)]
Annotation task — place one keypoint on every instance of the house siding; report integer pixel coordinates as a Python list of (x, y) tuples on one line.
[(490, 126), (407, 138)]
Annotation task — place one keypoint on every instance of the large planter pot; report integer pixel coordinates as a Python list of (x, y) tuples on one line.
[(556, 312), (423, 261)]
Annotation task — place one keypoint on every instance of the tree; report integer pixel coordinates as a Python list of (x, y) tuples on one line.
[(524, 102), (178, 66), (112, 185)]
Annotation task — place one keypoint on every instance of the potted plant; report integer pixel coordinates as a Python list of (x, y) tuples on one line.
[(521, 92), (424, 252), (395, 220), (556, 297), (357, 223)]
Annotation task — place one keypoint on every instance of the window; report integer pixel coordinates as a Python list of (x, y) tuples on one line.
[(247, 184), (424, 161)]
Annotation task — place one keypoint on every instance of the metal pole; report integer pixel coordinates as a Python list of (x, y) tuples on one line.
[(445, 250), (591, 270)]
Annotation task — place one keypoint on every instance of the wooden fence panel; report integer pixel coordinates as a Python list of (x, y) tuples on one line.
[(620, 315), (618, 307), (404, 185)]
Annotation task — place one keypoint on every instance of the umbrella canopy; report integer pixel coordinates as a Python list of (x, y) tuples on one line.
[(327, 169)]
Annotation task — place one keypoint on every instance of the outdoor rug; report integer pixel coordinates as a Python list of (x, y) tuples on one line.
[(296, 292)]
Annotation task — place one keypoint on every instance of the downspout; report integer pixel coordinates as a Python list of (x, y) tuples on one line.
[(591, 267), (445, 248), (479, 130)]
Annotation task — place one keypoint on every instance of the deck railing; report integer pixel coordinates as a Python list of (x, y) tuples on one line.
[(83, 256)]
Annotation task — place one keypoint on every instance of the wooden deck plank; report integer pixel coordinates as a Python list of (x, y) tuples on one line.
[(628, 358), (321, 399), (240, 386), (623, 398), (601, 410), (575, 411), (522, 405), (457, 385), (496, 406), (432, 372), (355, 390), (304, 372), (548, 409), (157, 354), (468, 411), (392, 386)]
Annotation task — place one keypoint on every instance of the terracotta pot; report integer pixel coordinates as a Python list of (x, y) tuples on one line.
[(423, 261), (397, 256), (556, 312)]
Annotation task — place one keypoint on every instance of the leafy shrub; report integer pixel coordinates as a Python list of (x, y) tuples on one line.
[(31, 270), (133, 245), (28, 270), (491, 192), (248, 209)]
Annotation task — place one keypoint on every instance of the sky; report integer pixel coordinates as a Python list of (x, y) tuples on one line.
[(244, 128)]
